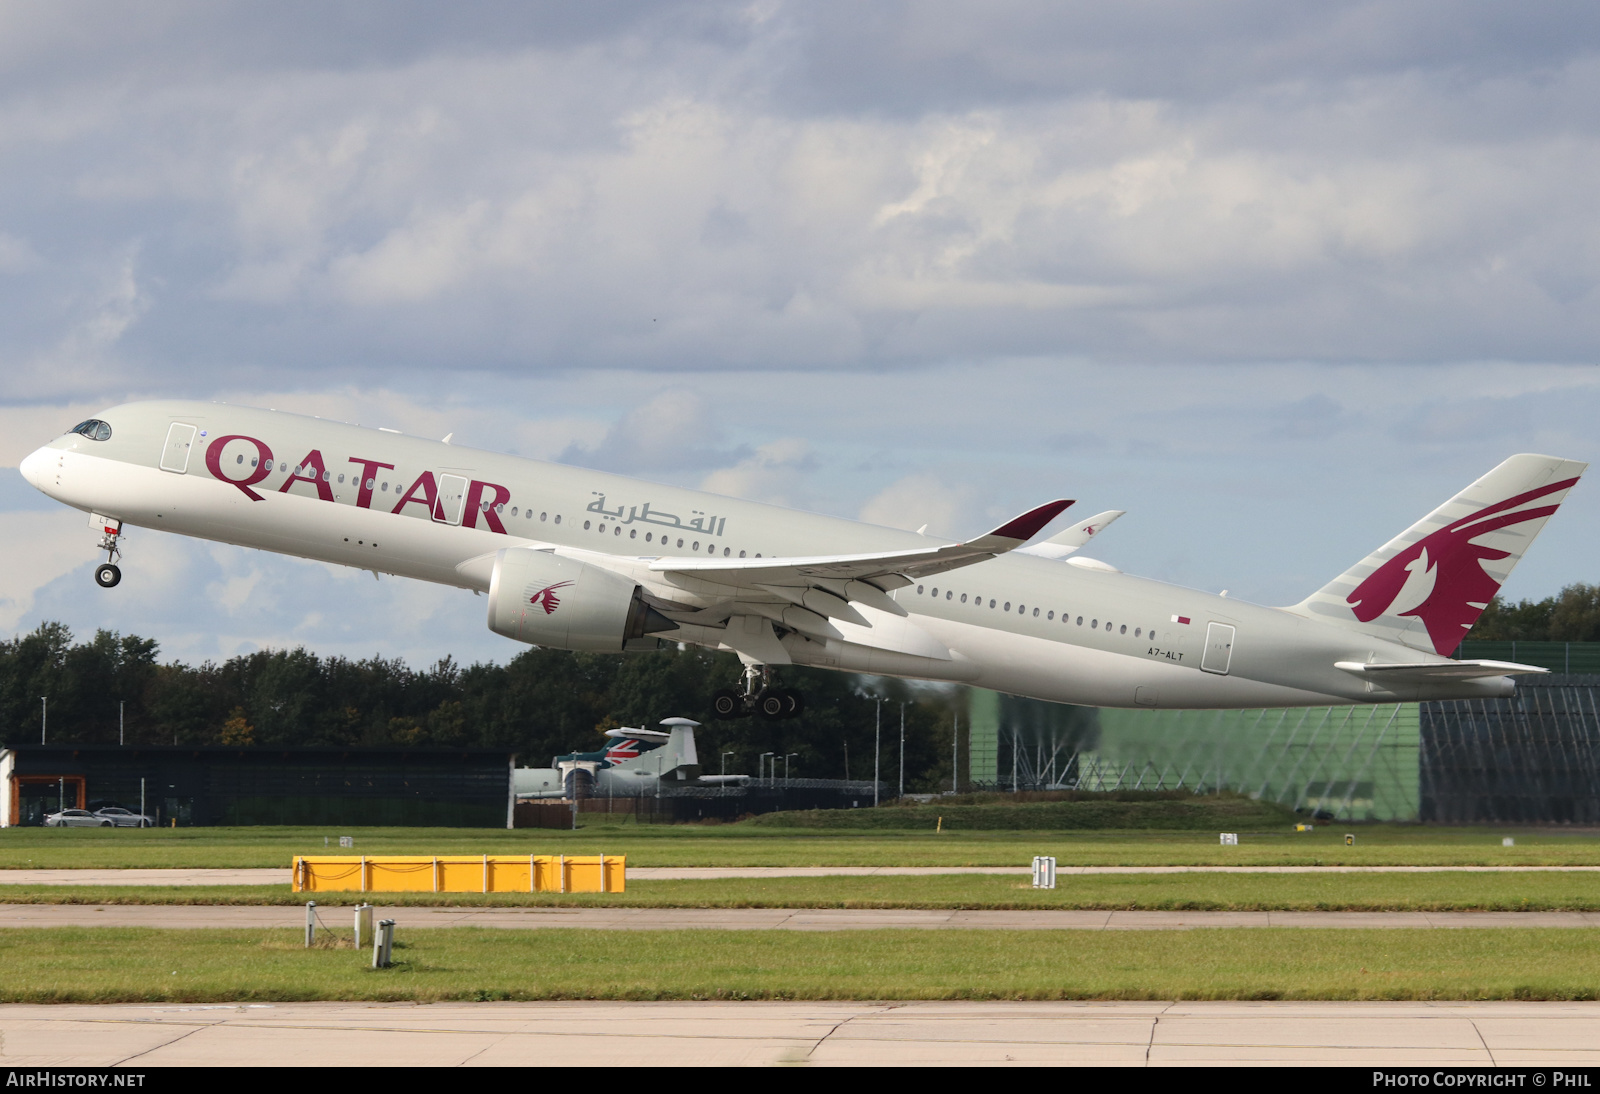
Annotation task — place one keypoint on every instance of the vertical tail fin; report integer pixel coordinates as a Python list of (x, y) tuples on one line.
[(1428, 585)]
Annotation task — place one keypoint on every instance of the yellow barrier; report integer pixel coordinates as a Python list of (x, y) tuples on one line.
[(461, 874)]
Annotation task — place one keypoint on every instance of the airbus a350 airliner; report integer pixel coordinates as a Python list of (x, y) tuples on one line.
[(582, 560)]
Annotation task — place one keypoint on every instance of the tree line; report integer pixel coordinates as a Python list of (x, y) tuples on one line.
[(1572, 615), (541, 703)]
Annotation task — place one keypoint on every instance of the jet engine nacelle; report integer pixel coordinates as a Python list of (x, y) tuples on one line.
[(546, 600)]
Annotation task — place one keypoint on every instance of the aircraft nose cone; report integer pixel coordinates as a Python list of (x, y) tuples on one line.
[(36, 467)]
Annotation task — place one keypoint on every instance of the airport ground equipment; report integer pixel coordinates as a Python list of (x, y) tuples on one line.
[(311, 923), (1044, 872), (363, 924), (461, 873)]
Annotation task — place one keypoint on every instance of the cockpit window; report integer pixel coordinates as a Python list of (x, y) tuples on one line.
[(94, 429)]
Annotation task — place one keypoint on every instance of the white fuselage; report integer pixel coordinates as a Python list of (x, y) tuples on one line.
[(403, 505)]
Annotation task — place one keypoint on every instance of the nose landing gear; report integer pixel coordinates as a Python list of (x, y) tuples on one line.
[(108, 573), (758, 696)]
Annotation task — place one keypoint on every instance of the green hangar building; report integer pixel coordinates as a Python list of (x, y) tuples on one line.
[(1533, 758)]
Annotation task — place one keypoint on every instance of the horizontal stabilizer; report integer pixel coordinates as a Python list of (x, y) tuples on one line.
[(640, 734), (1387, 675)]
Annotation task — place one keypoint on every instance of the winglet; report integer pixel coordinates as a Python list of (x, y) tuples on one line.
[(1027, 526)]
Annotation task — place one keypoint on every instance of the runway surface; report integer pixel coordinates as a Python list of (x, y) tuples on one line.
[(276, 876), (1506, 1034), (758, 919)]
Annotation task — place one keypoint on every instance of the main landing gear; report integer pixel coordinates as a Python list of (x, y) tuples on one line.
[(108, 573), (758, 696)]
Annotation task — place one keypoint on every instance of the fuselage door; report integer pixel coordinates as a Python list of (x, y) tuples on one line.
[(452, 494), (1219, 648), (180, 439)]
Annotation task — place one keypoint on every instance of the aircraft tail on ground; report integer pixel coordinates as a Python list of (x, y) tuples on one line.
[(1428, 585)]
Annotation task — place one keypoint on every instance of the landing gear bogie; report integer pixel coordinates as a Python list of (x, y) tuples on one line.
[(759, 696)]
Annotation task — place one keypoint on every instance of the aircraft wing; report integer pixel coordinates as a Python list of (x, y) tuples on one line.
[(1428, 673), (903, 565), (839, 597)]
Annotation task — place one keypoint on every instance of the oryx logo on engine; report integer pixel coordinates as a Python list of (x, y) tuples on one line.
[(546, 597)]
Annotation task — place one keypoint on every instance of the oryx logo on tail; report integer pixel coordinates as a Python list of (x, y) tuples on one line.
[(1440, 579), (546, 597)]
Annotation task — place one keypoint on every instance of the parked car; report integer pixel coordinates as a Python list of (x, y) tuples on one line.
[(124, 818), (76, 818)]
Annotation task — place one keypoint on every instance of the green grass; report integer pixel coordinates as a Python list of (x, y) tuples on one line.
[(1176, 892), (752, 845), (62, 965)]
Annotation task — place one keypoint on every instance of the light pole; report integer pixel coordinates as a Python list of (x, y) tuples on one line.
[(786, 765), (122, 723), (902, 751), (44, 715), (877, 748), (761, 770), (725, 756), (955, 751)]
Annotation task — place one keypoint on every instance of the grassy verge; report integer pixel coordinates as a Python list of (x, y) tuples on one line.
[(200, 966), (751, 845), (1212, 813), (1175, 892)]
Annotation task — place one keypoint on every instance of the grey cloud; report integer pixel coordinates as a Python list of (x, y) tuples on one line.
[(673, 432), (500, 190)]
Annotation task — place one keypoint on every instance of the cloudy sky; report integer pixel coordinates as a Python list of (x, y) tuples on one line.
[(1275, 277)]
